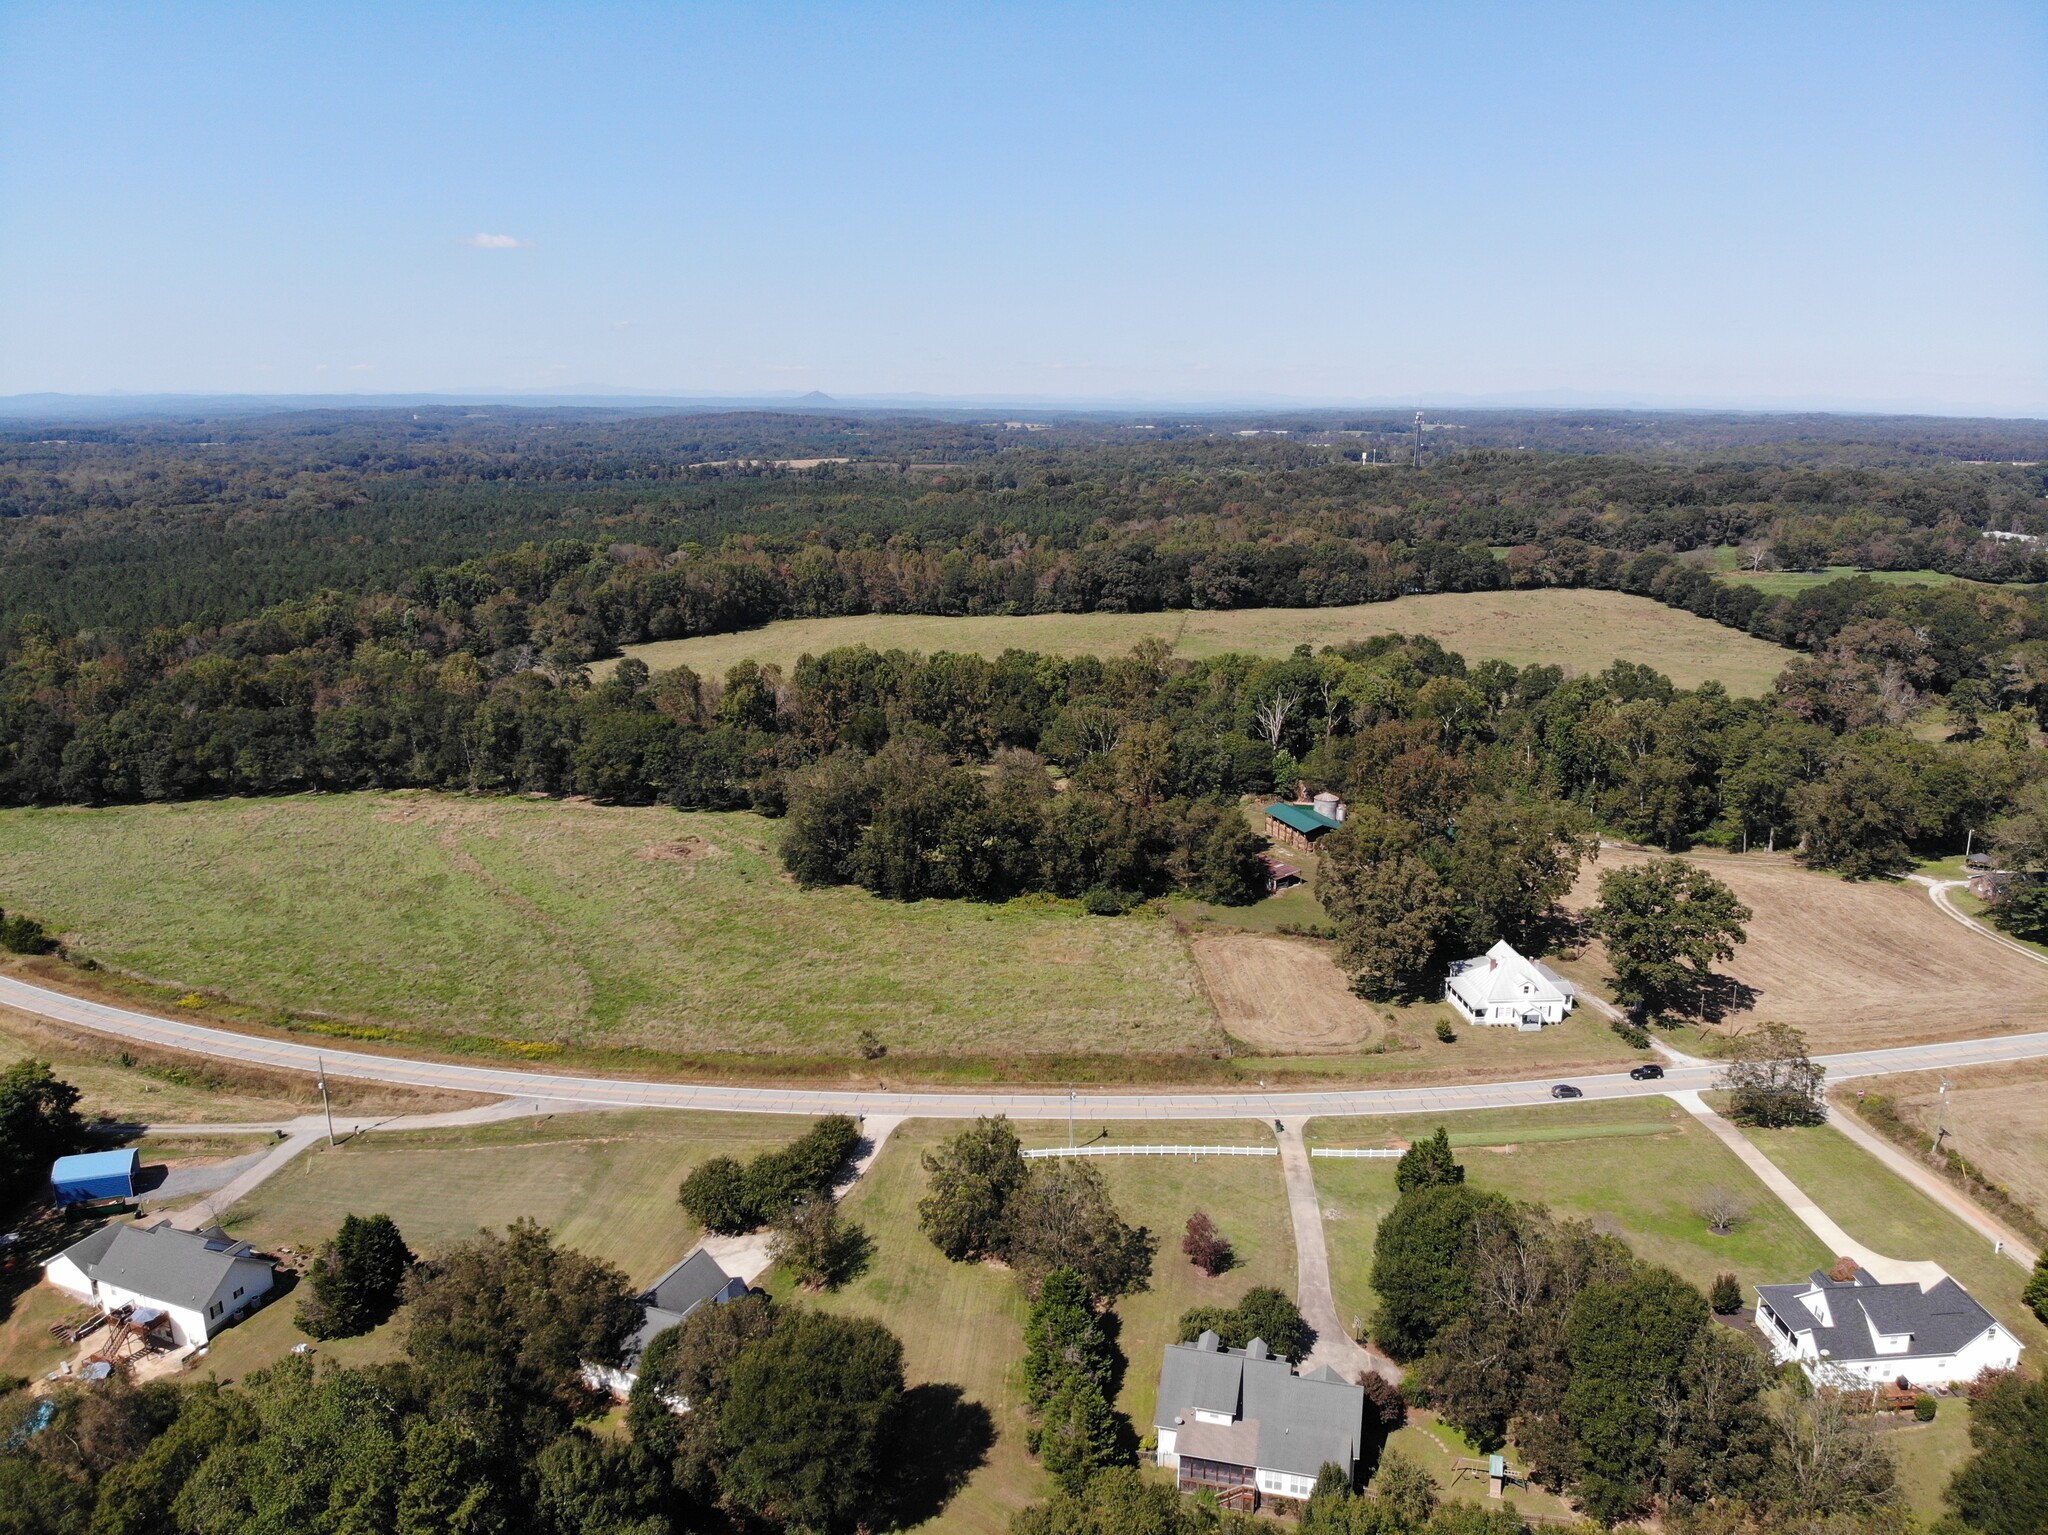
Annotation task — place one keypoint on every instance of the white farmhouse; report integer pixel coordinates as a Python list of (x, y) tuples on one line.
[(200, 1281), (1501, 988), (1859, 1331)]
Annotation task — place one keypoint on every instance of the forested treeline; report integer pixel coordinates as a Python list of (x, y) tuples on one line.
[(137, 525)]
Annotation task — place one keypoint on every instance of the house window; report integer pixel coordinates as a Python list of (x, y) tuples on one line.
[(214, 1309), (238, 1293)]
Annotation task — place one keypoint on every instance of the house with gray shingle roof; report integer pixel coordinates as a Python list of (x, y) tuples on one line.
[(1236, 1420), (666, 1303), (1860, 1331), (198, 1281)]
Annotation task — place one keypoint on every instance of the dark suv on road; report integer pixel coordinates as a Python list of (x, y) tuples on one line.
[(1649, 1071)]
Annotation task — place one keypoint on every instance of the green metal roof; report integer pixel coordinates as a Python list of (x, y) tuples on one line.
[(1302, 819)]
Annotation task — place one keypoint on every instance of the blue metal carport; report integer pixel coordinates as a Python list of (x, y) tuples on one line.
[(95, 1175)]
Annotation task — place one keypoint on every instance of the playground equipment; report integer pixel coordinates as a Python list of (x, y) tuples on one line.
[(1499, 1478)]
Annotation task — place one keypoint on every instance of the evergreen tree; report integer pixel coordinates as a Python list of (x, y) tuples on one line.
[(1076, 1434), (355, 1279), (1428, 1164), (1064, 1336)]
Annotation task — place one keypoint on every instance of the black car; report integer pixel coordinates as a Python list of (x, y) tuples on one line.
[(1649, 1071), (1565, 1090)]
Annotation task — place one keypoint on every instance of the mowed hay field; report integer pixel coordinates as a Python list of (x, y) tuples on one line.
[(1996, 1117), (1282, 994), (1584, 631), (1857, 963), (548, 923)]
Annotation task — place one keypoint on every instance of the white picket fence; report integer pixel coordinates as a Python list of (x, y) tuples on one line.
[(1154, 1151), (1100, 1150)]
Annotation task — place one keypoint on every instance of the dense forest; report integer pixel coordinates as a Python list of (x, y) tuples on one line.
[(960, 776), (167, 521)]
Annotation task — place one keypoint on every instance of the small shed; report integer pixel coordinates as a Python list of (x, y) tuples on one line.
[(95, 1175)]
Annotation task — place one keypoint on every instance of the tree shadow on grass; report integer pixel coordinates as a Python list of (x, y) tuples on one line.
[(941, 1439)]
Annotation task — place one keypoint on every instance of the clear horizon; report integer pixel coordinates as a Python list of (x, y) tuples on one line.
[(1735, 207)]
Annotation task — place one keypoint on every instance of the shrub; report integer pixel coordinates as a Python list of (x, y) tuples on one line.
[(1105, 902), (1725, 1296), (1389, 1406), (1634, 1035), (1445, 1032), (1924, 1408), (1207, 1248), (24, 935)]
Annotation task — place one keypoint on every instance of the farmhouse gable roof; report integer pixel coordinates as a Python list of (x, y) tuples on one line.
[(1293, 1423), (1502, 975), (1846, 1317), (169, 1266)]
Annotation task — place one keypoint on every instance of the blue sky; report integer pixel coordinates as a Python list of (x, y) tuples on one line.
[(1755, 205)]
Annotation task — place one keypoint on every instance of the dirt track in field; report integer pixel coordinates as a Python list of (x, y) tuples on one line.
[(1282, 994), (1858, 963)]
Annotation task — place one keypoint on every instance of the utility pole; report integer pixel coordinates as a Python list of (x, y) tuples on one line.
[(326, 1107), (1941, 1118), (1070, 1116)]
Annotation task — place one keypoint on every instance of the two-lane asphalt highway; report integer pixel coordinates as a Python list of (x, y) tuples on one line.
[(281, 1054)]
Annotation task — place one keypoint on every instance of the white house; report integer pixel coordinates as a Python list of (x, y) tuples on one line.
[(1501, 988), (664, 1304), (1240, 1421), (201, 1281), (1859, 1331)]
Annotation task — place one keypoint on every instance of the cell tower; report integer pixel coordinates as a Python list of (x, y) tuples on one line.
[(1418, 439)]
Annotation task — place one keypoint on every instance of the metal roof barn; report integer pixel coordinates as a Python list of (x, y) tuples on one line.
[(95, 1175)]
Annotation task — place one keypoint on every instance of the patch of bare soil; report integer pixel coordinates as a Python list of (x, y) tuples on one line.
[(1856, 963), (1282, 994), (682, 850)]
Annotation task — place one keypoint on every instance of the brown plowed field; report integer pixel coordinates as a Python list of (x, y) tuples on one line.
[(1857, 964), (1282, 994)]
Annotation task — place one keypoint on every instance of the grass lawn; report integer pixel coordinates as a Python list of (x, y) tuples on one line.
[(1970, 906), (1789, 583), (604, 1183), (26, 1347), (142, 1086), (1928, 1455), (1437, 1448), (521, 926), (1583, 631), (1635, 1168), (1891, 1216), (964, 1323)]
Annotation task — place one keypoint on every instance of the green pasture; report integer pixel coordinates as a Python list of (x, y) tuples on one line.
[(1581, 630), (521, 926)]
